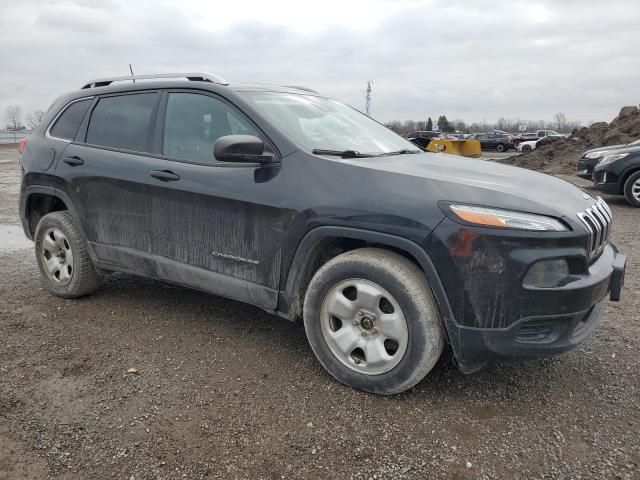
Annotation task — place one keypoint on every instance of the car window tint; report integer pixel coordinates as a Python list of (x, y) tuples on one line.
[(193, 122), (67, 124), (122, 121)]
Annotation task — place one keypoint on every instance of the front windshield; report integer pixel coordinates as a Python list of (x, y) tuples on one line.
[(317, 123)]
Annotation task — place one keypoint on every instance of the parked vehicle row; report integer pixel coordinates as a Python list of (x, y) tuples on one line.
[(301, 205), (614, 169)]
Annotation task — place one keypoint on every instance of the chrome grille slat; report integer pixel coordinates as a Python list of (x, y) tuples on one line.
[(597, 220)]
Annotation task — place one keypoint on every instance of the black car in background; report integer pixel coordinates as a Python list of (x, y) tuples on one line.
[(590, 158), (296, 203), (618, 173), (499, 142), (421, 138)]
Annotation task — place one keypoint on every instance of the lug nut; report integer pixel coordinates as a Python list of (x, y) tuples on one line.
[(364, 334), (356, 323)]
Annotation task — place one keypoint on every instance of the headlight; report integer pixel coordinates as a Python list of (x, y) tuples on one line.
[(593, 155), (611, 158), (493, 217)]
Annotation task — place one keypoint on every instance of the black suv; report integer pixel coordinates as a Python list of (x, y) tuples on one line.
[(296, 203), (615, 171)]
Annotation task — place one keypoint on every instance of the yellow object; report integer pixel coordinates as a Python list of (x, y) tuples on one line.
[(464, 148)]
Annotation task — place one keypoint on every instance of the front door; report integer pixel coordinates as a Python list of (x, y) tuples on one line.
[(217, 224)]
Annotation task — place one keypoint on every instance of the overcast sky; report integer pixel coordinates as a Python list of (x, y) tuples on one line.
[(466, 59)]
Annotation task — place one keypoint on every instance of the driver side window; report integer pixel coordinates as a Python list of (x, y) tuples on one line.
[(193, 122)]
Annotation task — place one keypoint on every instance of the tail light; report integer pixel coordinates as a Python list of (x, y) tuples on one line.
[(22, 145)]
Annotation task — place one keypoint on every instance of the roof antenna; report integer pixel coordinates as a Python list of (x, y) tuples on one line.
[(131, 70)]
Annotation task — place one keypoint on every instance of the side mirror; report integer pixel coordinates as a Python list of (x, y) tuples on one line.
[(240, 148)]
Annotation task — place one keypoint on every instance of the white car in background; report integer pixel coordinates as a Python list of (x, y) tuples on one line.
[(528, 145)]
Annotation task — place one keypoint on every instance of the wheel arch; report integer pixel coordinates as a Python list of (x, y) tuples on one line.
[(309, 257), (626, 174), (37, 201)]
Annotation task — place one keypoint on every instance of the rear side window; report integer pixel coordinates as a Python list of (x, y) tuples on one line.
[(68, 123), (122, 122)]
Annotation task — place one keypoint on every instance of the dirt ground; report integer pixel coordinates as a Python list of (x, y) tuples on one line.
[(224, 390)]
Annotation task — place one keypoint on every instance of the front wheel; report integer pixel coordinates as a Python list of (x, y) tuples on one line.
[(526, 148), (372, 322), (632, 189)]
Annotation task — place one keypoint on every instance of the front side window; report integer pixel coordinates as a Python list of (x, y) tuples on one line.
[(193, 123), (68, 123), (122, 122), (323, 124)]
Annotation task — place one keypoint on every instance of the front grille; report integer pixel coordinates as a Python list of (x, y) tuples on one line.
[(597, 219)]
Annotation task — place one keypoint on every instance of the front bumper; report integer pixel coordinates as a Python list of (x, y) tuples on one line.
[(606, 181), (492, 315), (586, 166), (545, 335)]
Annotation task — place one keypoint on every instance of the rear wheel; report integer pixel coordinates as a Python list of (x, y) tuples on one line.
[(526, 148), (62, 256), (501, 147), (632, 189), (372, 322)]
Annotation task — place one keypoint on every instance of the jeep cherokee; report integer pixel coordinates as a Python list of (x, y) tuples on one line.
[(309, 209)]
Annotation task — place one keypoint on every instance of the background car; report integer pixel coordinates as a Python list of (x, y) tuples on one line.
[(527, 145), (421, 138), (496, 141), (618, 173), (590, 158)]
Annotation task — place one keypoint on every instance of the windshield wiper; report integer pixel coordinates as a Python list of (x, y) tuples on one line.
[(341, 153), (399, 152)]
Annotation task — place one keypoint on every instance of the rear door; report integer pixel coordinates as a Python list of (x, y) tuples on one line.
[(105, 172)]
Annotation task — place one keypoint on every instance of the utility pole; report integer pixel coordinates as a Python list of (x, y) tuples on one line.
[(368, 104)]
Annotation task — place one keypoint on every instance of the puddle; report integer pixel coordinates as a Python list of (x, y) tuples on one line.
[(12, 238)]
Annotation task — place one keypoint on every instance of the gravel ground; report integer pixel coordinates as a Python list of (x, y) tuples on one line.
[(224, 390)]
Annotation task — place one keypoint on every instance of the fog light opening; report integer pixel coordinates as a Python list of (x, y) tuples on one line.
[(547, 274)]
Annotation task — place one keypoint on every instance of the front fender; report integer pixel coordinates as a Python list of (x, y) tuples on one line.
[(289, 302)]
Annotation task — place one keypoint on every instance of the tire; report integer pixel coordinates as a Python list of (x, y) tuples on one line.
[(526, 148), (62, 256), (501, 147), (402, 320), (632, 189)]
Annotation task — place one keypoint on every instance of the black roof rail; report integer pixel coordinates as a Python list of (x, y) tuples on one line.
[(192, 76)]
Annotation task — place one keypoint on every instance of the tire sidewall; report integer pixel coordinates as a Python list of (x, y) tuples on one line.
[(46, 222), (419, 329)]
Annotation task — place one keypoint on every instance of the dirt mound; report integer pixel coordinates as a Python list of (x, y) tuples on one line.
[(560, 155)]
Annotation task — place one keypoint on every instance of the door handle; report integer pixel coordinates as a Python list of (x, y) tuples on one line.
[(165, 175), (74, 161)]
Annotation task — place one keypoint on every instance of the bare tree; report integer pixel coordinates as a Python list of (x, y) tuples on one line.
[(34, 118), (12, 116), (560, 121)]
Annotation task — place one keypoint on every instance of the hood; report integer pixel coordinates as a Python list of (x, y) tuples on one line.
[(443, 177), (623, 148)]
